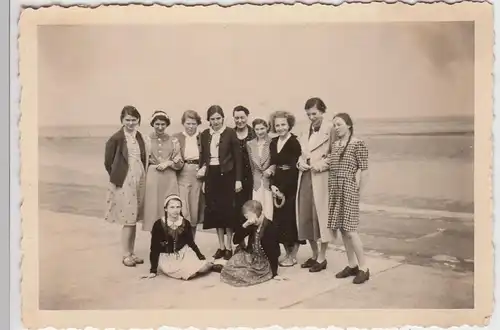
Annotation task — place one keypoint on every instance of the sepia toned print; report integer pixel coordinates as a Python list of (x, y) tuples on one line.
[(298, 166)]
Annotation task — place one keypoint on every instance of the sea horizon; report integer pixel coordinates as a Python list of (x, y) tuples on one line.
[(439, 125)]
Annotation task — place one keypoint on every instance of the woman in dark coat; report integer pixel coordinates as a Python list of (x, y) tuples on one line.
[(257, 262), (244, 133), (125, 160), (285, 151), (220, 165)]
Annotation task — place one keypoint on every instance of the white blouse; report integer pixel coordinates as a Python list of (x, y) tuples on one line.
[(214, 145), (191, 151)]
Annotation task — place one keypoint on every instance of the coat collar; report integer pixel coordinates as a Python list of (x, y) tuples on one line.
[(322, 137)]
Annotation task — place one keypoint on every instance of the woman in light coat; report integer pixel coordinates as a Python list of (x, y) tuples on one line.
[(312, 195)]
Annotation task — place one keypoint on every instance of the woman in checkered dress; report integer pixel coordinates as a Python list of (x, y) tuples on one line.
[(349, 155)]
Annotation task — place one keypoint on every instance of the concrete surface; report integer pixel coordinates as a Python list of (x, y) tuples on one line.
[(80, 268)]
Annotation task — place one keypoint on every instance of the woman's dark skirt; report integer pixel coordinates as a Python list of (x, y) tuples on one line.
[(219, 199), (285, 219)]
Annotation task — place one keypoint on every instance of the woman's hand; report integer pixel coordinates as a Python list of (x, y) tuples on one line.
[(320, 166), (149, 276), (201, 172), (316, 168), (163, 166), (276, 191), (268, 173), (249, 222), (238, 186), (302, 166)]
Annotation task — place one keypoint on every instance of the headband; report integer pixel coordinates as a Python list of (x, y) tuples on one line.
[(159, 113), (170, 197)]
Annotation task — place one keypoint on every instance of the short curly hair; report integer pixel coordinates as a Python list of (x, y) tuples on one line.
[(191, 114), (290, 119)]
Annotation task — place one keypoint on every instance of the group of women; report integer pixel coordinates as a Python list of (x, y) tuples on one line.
[(256, 191)]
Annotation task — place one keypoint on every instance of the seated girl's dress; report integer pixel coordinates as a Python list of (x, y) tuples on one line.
[(258, 262), (174, 251)]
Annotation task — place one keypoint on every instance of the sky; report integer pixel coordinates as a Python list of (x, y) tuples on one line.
[(381, 70)]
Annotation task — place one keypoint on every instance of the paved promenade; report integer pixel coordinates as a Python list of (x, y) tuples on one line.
[(80, 268)]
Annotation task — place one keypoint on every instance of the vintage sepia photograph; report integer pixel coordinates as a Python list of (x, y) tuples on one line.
[(312, 162)]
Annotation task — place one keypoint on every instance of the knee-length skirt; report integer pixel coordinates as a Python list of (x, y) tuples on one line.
[(220, 199), (125, 205)]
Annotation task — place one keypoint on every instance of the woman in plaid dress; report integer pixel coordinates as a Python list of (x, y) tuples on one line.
[(348, 156)]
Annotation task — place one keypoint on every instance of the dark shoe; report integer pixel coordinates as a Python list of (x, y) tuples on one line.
[(228, 254), (309, 263), (217, 268), (219, 254), (319, 266), (362, 277), (348, 271)]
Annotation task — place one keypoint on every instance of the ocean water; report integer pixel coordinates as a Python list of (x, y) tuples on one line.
[(425, 163), (387, 139)]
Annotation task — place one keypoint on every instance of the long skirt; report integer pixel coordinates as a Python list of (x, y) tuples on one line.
[(220, 199), (308, 224), (158, 186), (182, 265), (246, 269), (125, 204), (191, 194)]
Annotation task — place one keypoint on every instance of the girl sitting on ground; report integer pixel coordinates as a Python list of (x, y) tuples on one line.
[(173, 249), (258, 262)]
